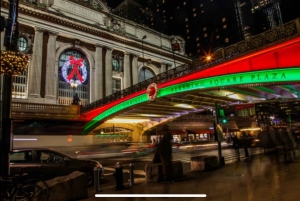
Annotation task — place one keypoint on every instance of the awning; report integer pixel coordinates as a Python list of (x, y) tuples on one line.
[(178, 132)]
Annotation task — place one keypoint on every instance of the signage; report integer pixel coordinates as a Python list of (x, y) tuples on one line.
[(265, 76), (152, 91)]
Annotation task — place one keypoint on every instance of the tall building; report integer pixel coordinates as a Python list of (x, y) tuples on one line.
[(207, 25)]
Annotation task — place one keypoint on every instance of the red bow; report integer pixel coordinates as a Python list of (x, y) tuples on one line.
[(76, 64)]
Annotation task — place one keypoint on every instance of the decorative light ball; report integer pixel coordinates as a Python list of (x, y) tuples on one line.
[(13, 62)]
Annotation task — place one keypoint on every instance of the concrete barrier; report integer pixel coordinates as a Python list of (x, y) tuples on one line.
[(202, 163), (154, 171), (70, 187)]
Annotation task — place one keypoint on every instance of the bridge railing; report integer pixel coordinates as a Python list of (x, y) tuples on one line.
[(254, 43)]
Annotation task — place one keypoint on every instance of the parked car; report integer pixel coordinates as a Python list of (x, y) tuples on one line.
[(47, 163)]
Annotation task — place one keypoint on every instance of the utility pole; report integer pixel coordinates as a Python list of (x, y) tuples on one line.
[(12, 63)]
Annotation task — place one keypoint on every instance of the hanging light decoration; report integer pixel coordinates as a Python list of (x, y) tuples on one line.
[(13, 62)]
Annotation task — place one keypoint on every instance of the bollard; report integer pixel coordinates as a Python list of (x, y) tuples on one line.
[(119, 176), (131, 175), (96, 179)]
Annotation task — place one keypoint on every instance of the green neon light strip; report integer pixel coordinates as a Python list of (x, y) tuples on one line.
[(266, 76)]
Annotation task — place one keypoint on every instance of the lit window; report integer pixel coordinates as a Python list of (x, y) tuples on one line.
[(187, 31), (205, 35), (22, 44), (201, 5), (204, 29), (197, 39), (184, 3), (226, 40), (164, 11), (223, 19), (198, 44), (187, 25), (145, 74), (202, 11), (195, 14), (194, 9), (177, 7), (217, 37), (163, 1), (157, 10), (224, 26), (186, 19), (171, 18)]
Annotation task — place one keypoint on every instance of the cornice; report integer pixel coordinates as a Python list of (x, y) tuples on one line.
[(50, 16)]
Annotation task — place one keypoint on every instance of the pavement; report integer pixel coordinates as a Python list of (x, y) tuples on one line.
[(260, 178)]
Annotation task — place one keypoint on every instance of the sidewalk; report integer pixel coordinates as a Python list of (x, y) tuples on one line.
[(260, 179)]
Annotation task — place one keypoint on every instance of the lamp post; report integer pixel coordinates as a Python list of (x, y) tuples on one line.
[(144, 69), (74, 86), (12, 63)]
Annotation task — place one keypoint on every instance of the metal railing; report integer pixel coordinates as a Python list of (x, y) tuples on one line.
[(271, 37)]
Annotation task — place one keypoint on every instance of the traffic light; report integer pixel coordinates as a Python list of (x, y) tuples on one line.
[(221, 112)]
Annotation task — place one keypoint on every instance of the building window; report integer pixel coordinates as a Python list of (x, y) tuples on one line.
[(226, 40), (204, 29), (217, 37), (223, 19), (205, 35), (116, 84), (71, 73), (22, 44), (19, 86), (224, 26), (145, 74)]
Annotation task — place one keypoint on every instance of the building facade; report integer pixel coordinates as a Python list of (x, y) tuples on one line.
[(81, 48)]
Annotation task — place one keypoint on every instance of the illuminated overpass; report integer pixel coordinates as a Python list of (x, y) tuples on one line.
[(265, 67)]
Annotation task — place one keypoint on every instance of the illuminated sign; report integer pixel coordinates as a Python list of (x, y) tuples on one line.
[(256, 77)]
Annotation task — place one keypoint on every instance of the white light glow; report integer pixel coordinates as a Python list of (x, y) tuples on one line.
[(119, 120), (250, 129), (25, 139), (150, 195), (184, 106)]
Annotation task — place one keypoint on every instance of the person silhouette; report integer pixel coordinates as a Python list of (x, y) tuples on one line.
[(76, 100)]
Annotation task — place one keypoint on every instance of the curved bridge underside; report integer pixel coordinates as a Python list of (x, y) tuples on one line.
[(268, 74)]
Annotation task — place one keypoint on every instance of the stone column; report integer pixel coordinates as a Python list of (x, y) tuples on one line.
[(51, 79), (35, 68), (108, 71), (2, 40), (163, 67), (126, 70), (98, 76), (135, 69)]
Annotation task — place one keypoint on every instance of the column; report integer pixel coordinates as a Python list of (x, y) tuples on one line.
[(35, 68), (2, 40), (126, 70), (98, 77), (163, 67), (108, 72), (135, 69), (51, 79)]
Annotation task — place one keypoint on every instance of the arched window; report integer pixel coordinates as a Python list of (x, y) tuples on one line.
[(145, 74), (73, 71)]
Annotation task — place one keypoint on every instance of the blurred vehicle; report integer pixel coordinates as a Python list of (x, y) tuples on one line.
[(47, 164), (138, 149)]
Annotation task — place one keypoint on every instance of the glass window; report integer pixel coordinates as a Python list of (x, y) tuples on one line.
[(116, 84), (145, 74), (73, 68), (22, 44), (21, 157)]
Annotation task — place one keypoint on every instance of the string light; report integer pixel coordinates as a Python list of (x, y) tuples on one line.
[(13, 62)]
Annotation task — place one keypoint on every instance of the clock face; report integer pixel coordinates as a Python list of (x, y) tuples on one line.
[(116, 64)]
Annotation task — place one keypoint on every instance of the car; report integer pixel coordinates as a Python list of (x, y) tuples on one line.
[(47, 164)]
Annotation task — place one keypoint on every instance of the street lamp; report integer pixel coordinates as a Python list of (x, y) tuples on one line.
[(12, 63), (76, 99), (144, 69)]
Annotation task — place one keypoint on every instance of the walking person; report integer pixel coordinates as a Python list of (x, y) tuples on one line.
[(164, 149)]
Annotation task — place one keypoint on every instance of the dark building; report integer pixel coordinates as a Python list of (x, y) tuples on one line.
[(207, 25)]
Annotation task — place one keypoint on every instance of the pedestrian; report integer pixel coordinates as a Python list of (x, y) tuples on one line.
[(164, 150)]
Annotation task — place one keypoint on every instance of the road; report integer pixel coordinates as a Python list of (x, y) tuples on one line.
[(109, 156)]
